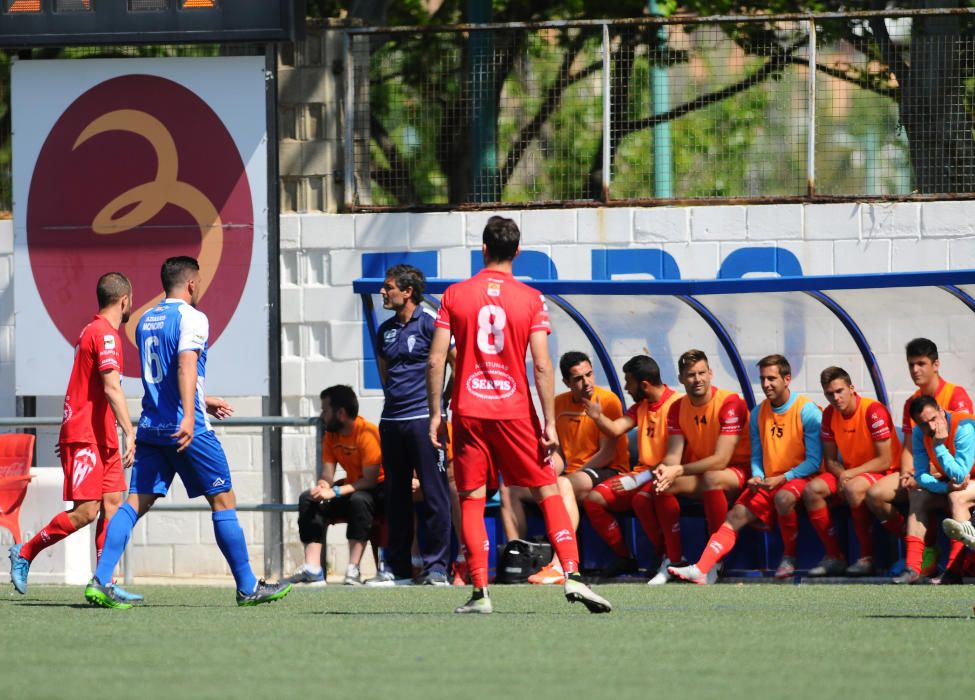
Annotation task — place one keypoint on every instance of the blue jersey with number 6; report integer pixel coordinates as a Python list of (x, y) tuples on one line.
[(163, 333)]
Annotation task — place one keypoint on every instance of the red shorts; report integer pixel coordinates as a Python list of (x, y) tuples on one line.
[(90, 471), (761, 503), (483, 448), (833, 484), (743, 474), (621, 501)]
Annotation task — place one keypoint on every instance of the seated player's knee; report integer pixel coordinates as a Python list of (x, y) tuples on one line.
[(598, 495), (711, 480), (876, 495), (811, 495), (784, 501), (739, 517)]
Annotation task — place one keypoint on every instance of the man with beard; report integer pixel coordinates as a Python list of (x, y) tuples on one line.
[(88, 445), (351, 442), (634, 490), (175, 437), (786, 451)]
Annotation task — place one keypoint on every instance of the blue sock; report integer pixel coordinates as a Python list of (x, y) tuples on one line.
[(230, 539), (116, 537)]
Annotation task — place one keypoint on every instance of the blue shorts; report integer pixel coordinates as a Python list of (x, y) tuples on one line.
[(202, 467)]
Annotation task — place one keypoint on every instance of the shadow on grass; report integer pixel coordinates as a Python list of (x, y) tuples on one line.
[(428, 613)]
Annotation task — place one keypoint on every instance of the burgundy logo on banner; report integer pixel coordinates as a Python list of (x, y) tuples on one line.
[(136, 170)]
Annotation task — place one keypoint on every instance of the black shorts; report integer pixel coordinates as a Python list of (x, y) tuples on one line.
[(598, 476)]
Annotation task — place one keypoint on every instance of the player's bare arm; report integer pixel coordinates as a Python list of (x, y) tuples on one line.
[(218, 407), (116, 399), (545, 386), (368, 480), (436, 370), (670, 469), (325, 480), (831, 458), (186, 374), (604, 455), (612, 428)]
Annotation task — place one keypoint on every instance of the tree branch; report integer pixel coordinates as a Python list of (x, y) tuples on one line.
[(396, 179)]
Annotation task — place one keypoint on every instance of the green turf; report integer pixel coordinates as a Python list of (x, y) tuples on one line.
[(726, 641)]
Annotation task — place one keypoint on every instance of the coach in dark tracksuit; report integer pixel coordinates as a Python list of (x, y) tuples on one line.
[(404, 344)]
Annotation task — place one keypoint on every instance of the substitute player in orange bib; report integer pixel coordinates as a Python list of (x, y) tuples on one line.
[(882, 497), (786, 451), (88, 445), (708, 450), (860, 447), (494, 320), (652, 401)]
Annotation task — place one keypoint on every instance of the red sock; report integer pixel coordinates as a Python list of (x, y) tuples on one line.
[(789, 527), (915, 552), (715, 509), (954, 560), (606, 526), (101, 527), (560, 533), (720, 544), (645, 512), (475, 539), (894, 524), (863, 525), (668, 514), (55, 531), (823, 525)]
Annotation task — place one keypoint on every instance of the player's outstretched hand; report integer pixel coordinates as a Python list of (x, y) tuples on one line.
[(219, 408), (184, 436)]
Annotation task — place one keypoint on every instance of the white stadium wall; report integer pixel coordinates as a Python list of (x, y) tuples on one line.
[(322, 324)]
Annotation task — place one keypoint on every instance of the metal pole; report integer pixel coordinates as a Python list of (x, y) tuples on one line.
[(348, 194), (607, 114), (811, 137), (273, 522), (663, 181)]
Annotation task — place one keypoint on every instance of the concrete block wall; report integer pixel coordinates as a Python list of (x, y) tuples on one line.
[(322, 324)]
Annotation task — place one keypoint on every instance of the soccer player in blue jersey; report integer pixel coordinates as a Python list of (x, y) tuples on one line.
[(174, 437)]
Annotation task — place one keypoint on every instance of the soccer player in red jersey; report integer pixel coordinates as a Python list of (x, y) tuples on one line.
[(634, 490), (882, 497), (88, 445), (786, 451), (708, 450), (494, 320), (860, 446)]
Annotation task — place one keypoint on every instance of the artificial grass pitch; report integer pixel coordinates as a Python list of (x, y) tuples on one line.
[(725, 641)]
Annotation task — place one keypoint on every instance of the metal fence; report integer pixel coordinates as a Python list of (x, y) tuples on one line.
[(790, 107)]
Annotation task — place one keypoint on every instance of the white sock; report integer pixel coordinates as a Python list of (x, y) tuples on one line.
[(313, 568)]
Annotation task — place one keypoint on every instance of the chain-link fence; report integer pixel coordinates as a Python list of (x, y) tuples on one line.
[(670, 109)]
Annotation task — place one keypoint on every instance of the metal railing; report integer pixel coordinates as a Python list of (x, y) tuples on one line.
[(273, 561), (798, 107)]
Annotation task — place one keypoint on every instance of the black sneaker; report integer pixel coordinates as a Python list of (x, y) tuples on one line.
[(266, 592), (909, 576), (433, 578)]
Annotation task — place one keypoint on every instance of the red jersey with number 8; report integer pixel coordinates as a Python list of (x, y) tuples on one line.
[(491, 316), (88, 417)]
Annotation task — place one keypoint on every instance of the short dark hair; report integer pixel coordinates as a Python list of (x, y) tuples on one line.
[(501, 237), (342, 396), (643, 368), (785, 369), (111, 287), (919, 403), (176, 271), (570, 360), (408, 277), (691, 357), (922, 347), (831, 374)]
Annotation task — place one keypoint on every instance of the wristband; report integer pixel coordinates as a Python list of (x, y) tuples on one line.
[(337, 491)]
